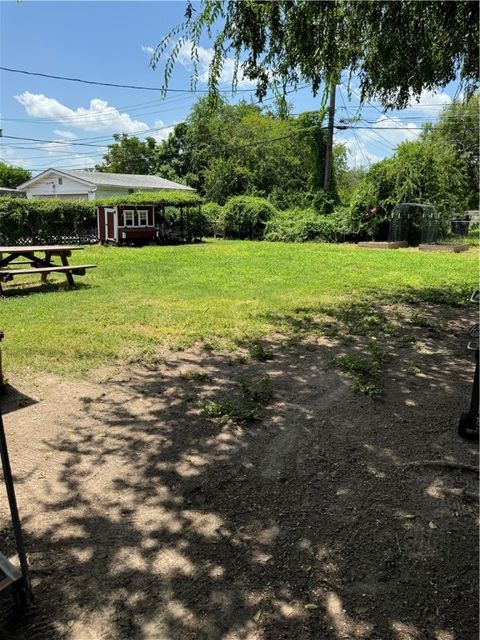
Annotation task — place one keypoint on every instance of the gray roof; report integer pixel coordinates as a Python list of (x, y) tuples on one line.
[(129, 181)]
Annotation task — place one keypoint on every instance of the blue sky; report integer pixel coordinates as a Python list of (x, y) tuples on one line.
[(112, 41)]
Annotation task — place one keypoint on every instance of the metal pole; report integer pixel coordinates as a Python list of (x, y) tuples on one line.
[(12, 501), (329, 150)]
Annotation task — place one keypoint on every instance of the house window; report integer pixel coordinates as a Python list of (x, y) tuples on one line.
[(60, 181), (142, 218), (128, 217)]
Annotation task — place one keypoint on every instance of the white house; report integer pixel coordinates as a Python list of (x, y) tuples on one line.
[(89, 185)]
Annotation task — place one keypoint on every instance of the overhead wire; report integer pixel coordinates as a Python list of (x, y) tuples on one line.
[(107, 84), (362, 152)]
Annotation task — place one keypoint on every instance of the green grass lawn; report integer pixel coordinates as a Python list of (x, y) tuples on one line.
[(218, 292)]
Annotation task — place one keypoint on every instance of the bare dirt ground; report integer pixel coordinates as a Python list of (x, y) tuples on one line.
[(212, 496)]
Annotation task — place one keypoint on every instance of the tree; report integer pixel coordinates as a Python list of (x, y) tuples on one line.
[(11, 177), (422, 171), (397, 49), (458, 126), (225, 150), (129, 154)]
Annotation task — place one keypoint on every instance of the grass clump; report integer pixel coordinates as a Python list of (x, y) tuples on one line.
[(257, 391), (258, 351), (226, 410), (365, 371)]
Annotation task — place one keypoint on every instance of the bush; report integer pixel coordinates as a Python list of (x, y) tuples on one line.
[(303, 225), (246, 217), (213, 213), (319, 201), (30, 220)]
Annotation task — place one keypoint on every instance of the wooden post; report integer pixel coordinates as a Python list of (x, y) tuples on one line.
[(327, 180)]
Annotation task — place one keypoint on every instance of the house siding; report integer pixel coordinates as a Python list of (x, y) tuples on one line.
[(69, 188)]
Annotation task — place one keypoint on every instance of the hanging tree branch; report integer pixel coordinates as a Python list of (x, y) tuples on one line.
[(395, 49)]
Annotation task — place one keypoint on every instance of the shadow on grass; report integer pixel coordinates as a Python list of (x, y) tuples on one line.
[(16, 290), (165, 520)]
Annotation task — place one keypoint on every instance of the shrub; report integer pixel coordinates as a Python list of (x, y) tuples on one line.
[(303, 225), (213, 213), (246, 217), (32, 220)]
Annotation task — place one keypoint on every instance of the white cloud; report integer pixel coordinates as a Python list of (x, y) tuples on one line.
[(149, 50), (391, 130), (10, 156), (205, 57), (77, 161), (395, 130), (64, 135), (98, 117), (430, 103), (358, 154), (165, 130)]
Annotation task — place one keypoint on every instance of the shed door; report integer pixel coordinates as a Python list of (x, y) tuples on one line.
[(111, 224)]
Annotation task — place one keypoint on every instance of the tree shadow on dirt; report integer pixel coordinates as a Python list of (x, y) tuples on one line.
[(193, 500)]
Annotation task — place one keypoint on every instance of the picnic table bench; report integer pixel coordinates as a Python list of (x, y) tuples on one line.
[(11, 257)]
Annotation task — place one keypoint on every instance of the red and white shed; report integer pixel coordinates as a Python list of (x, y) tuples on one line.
[(126, 223)]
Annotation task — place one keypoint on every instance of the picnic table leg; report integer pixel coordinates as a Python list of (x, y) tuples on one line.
[(70, 280), (44, 276)]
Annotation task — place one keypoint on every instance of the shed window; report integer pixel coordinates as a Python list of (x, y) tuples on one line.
[(128, 218), (60, 181), (142, 218)]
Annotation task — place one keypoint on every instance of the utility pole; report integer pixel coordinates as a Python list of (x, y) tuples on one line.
[(329, 151)]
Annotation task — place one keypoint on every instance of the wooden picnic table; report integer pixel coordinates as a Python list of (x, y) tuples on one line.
[(12, 257)]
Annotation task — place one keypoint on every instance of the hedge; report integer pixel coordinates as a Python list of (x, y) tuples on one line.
[(31, 221), (25, 221)]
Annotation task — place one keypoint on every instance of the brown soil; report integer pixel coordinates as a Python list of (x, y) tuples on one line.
[(152, 516)]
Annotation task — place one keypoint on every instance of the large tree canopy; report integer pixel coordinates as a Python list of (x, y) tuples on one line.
[(397, 49), (225, 150), (129, 154)]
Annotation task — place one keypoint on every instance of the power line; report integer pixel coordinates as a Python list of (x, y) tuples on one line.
[(362, 152), (109, 84), (383, 114)]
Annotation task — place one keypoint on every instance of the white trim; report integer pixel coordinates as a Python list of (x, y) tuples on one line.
[(136, 218), (145, 211), (106, 211), (132, 212)]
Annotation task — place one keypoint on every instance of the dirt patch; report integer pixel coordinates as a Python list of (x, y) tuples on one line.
[(216, 496)]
